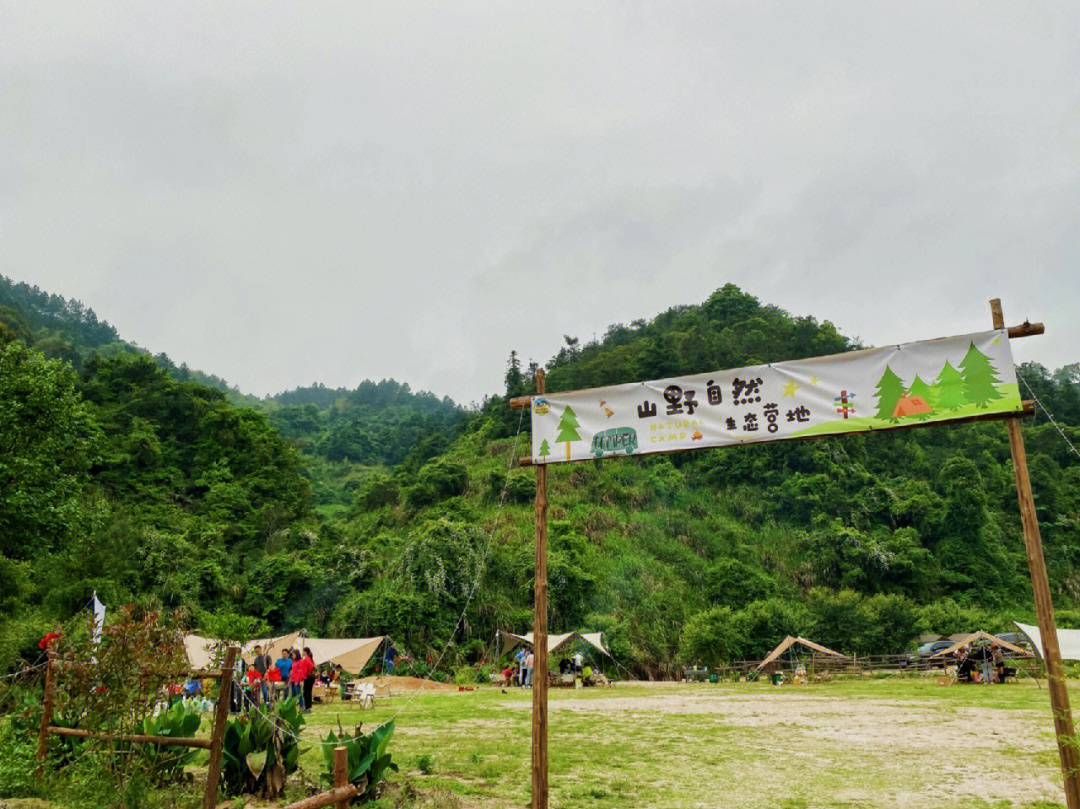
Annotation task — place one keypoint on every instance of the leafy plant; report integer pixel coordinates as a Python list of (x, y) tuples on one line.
[(166, 763), (260, 750), (368, 759), (425, 763)]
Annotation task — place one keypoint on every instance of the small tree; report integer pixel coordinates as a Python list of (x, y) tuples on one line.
[(113, 685), (568, 425), (889, 390), (980, 378), (948, 389), (545, 448)]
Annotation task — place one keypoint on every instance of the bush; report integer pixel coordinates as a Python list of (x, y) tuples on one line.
[(17, 765), (367, 756), (260, 751)]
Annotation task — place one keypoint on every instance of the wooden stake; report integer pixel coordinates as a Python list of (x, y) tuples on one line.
[(341, 774), (540, 632), (221, 719), (47, 708), (1044, 607)]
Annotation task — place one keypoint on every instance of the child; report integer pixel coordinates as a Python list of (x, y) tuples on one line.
[(273, 677), (254, 679)]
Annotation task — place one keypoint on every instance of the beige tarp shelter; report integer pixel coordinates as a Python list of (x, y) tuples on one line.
[(1068, 640), (930, 638), (200, 650), (980, 635), (790, 641), (352, 654), (556, 642)]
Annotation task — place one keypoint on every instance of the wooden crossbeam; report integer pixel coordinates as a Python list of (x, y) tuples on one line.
[(178, 741)]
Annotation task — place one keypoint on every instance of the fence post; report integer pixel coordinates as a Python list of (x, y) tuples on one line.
[(341, 774), (221, 718), (47, 708)]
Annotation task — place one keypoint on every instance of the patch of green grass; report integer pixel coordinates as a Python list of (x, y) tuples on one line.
[(628, 746)]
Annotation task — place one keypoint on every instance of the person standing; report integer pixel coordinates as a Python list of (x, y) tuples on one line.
[(296, 678), (309, 678), (519, 660), (261, 664), (530, 662), (579, 661), (999, 661), (389, 658)]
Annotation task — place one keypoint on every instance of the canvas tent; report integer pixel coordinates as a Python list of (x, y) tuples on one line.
[(556, 642), (790, 641), (929, 638), (1068, 640), (200, 650), (352, 654), (980, 635)]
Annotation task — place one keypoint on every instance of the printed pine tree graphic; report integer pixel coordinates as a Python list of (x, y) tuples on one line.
[(948, 389), (889, 390), (567, 428), (980, 377), (545, 448), (920, 388)]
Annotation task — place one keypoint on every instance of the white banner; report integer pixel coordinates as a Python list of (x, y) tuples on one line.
[(874, 389)]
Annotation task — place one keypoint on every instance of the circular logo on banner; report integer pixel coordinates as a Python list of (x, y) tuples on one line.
[(541, 406)]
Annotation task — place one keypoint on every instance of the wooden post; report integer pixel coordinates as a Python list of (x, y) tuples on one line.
[(540, 633), (341, 774), (221, 719), (1044, 607), (47, 708)]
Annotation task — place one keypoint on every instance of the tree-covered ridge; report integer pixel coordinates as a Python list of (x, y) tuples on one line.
[(123, 478)]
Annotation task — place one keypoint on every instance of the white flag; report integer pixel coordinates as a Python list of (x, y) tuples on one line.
[(99, 619)]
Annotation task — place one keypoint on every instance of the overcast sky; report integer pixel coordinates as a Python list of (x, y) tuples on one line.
[(289, 193)]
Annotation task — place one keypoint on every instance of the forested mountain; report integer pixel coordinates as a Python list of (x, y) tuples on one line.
[(378, 510)]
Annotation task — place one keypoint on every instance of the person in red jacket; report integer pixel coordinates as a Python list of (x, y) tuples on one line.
[(296, 677), (308, 661), (273, 677)]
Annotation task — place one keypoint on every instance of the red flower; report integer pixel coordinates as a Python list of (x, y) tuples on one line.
[(102, 689), (49, 638)]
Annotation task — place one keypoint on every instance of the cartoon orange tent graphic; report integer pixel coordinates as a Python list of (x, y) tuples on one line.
[(910, 406)]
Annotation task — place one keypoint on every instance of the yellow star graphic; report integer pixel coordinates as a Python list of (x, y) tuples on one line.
[(814, 379), (997, 341), (790, 388)]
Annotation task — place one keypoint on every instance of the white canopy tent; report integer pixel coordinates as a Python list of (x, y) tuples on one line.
[(1068, 640), (556, 642)]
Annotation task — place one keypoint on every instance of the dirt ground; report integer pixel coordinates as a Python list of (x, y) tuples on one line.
[(958, 752), (406, 685)]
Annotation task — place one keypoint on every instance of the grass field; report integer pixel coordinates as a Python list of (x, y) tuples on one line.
[(879, 743)]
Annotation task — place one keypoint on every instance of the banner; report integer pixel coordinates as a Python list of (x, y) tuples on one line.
[(874, 389)]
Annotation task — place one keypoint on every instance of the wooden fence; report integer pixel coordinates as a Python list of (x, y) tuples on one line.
[(213, 744)]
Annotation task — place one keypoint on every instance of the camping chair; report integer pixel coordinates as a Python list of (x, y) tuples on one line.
[(364, 695)]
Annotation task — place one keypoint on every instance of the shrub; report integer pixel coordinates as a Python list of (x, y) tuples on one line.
[(367, 756), (260, 750)]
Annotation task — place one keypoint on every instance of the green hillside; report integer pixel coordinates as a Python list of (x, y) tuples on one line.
[(377, 510)]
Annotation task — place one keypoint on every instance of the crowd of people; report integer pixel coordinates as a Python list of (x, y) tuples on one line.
[(520, 671), (263, 680), (982, 664)]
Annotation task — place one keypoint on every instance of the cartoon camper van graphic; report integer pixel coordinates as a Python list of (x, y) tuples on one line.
[(617, 439)]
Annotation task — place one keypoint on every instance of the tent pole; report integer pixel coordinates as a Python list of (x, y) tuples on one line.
[(540, 633), (1044, 607)]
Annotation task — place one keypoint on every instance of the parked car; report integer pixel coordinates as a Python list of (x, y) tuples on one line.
[(923, 657), (1016, 639)]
